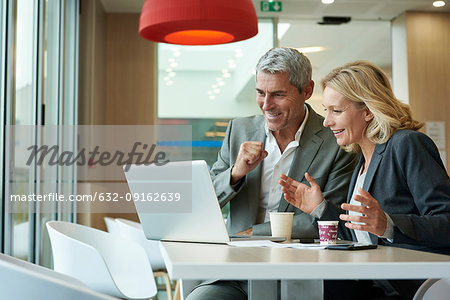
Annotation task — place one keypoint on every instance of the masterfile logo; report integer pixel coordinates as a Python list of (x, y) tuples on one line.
[(138, 154), (86, 165)]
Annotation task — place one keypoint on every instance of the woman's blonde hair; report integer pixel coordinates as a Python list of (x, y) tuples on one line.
[(368, 86)]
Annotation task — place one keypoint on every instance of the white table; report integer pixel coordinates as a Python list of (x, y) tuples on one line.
[(264, 265)]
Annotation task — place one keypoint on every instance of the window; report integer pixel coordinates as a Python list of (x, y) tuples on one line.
[(206, 86), (331, 46), (40, 65)]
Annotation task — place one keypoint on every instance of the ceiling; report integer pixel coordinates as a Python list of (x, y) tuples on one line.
[(366, 36), (357, 9), (314, 9)]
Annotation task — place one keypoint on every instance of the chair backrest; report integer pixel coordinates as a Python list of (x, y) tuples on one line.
[(15, 273), (111, 225), (134, 231), (105, 262), (434, 289)]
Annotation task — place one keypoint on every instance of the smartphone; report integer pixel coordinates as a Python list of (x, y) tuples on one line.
[(351, 247), (306, 241)]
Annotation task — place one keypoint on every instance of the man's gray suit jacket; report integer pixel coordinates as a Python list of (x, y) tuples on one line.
[(317, 153)]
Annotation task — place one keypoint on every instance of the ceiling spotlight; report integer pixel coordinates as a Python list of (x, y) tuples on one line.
[(327, 1), (310, 49), (438, 3)]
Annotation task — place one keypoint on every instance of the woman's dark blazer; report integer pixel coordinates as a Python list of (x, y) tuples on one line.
[(407, 177)]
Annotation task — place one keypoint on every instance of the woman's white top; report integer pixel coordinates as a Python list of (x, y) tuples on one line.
[(362, 236)]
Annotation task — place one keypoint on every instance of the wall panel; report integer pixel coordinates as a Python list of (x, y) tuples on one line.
[(130, 73), (428, 45), (117, 82)]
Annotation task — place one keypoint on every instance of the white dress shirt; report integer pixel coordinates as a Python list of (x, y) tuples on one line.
[(275, 164)]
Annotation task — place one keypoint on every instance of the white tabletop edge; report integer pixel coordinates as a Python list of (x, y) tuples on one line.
[(309, 270)]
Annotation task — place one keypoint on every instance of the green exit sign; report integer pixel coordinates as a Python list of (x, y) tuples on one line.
[(271, 6)]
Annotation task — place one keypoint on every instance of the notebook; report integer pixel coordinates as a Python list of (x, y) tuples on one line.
[(193, 213)]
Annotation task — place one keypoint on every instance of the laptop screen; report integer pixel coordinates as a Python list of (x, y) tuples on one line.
[(193, 214)]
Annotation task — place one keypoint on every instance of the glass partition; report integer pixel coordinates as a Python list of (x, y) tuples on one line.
[(40, 89), (23, 111)]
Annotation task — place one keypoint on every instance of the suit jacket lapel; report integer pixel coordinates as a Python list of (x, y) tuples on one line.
[(351, 187), (306, 151), (254, 177), (377, 156)]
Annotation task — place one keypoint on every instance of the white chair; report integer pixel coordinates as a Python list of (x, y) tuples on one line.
[(105, 262), (111, 225), (133, 231), (434, 289), (22, 280)]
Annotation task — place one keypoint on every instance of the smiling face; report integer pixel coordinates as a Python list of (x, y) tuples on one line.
[(280, 102), (345, 119)]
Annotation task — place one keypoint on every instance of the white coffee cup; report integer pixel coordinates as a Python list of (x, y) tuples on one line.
[(281, 224)]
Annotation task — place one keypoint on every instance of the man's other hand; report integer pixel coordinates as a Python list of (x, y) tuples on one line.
[(246, 232)]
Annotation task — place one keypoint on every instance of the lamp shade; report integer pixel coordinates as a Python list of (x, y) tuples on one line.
[(198, 22)]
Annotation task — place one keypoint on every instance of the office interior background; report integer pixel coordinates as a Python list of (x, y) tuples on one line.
[(82, 62)]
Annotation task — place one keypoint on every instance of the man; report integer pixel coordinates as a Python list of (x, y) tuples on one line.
[(287, 138)]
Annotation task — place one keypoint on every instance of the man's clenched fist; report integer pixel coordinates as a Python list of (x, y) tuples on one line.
[(249, 156)]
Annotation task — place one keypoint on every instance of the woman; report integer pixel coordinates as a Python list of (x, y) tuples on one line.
[(399, 194)]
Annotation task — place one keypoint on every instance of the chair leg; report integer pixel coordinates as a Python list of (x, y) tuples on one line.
[(177, 293), (167, 280)]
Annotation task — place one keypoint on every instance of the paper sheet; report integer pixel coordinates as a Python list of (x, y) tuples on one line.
[(270, 244)]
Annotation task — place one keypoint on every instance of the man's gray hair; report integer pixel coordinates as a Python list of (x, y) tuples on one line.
[(288, 60)]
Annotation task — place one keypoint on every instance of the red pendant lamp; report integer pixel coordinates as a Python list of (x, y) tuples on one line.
[(198, 22)]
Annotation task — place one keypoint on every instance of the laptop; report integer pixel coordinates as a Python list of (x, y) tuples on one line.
[(193, 213)]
